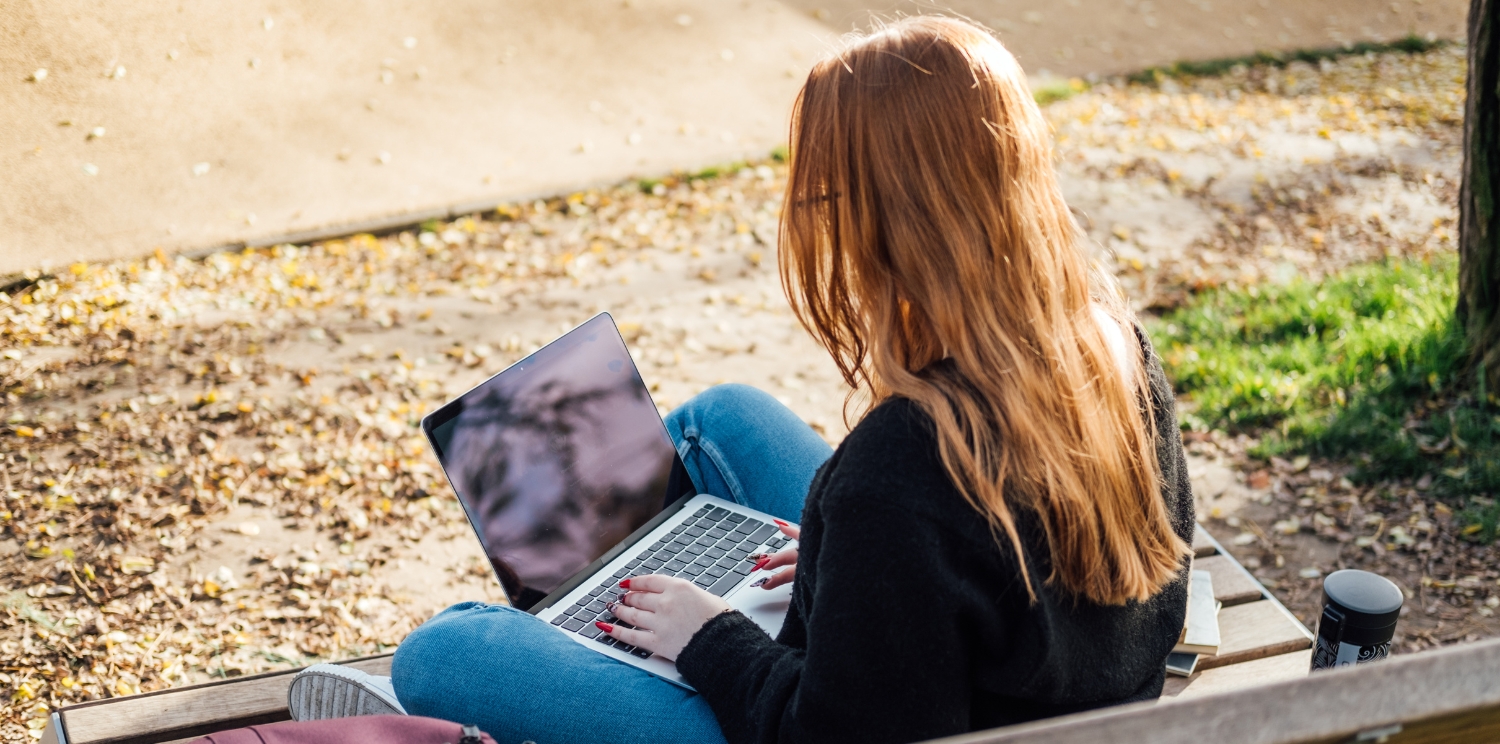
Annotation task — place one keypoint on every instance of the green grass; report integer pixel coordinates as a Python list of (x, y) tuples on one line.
[(646, 185), (778, 154), (1411, 44), (1365, 366), (1059, 90)]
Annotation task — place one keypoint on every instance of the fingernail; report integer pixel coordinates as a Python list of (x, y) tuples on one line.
[(624, 583), (762, 563), (611, 605), (759, 582), (606, 627), (755, 556), (777, 521)]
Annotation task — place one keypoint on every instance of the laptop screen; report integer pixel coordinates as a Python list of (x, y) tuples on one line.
[(558, 458)]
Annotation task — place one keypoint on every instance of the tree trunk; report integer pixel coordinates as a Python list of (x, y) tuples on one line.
[(1478, 216)]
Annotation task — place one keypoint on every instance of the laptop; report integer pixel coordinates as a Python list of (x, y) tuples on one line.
[(572, 483)]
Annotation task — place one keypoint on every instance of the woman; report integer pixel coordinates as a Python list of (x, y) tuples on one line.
[(1002, 537)]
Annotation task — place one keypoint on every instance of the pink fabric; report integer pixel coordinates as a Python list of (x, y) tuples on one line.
[(357, 730)]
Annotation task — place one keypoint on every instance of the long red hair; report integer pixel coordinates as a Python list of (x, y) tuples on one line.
[(923, 221)]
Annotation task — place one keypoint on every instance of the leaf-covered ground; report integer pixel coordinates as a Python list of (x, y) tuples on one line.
[(211, 467), (1365, 371)]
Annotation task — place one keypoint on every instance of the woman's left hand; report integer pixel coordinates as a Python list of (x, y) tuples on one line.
[(665, 611)]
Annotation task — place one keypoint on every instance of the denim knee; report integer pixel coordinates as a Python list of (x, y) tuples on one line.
[(419, 670), (724, 400)]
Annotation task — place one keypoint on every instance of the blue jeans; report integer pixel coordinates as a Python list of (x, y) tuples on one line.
[(519, 679)]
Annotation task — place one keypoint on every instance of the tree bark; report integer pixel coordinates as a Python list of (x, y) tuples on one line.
[(1479, 219)]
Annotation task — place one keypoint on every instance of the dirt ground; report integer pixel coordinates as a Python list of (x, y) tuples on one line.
[(212, 468)]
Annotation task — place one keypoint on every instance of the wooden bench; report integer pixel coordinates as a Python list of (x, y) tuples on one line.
[(185, 713), (1260, 642), (1449, 695)]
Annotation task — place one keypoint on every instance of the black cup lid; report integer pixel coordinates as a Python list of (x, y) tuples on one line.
[(1367, 600)]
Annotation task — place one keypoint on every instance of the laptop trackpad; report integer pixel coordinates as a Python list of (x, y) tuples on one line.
[(766, 608)]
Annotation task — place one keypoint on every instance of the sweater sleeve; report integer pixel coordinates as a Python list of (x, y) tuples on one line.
[(1176, 485), (884, 660)]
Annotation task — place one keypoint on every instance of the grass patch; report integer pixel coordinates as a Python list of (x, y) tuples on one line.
[(1365, 365), (1411, 44), (1059, 90), (778, 154), (648, 185)]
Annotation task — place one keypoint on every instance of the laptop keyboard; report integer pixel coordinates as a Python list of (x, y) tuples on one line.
[(710, 549)]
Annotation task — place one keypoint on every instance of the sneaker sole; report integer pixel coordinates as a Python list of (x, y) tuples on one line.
[(318, 694)]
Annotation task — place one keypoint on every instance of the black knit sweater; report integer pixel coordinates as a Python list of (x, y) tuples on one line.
[(908, 621)]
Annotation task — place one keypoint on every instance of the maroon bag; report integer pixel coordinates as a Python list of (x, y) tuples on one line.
[(356, 730)]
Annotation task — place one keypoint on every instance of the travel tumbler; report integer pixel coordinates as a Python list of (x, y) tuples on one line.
[(1359, 619)]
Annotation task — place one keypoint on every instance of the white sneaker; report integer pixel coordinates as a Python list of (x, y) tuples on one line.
[(336, 691)]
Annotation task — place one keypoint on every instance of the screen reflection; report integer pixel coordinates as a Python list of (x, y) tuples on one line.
[(558, 459)]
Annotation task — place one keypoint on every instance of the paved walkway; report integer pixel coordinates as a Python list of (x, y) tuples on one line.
[(199, 125)]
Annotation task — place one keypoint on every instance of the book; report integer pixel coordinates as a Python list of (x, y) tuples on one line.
[(1200, 632), (1181, 665)]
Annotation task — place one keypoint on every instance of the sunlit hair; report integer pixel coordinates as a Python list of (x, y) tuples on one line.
[(923, 220)]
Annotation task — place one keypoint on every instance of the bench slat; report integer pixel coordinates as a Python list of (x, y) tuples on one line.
[(188, 712), (1253, 631), (1202, 544), (1280, 668), (1446, 695), (1232, 586)]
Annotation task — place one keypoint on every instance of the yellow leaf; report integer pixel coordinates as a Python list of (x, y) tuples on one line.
[(25, 431), (137, 564)]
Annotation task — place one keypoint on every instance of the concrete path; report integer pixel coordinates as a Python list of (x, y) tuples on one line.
[(200, 125)]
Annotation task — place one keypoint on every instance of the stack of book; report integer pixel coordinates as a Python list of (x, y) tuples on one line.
[(1200, 630)]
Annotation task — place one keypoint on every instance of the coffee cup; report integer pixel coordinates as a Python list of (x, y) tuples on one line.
[(1360, 610)]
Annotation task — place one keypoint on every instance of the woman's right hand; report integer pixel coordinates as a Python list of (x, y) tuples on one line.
[(768, 561)]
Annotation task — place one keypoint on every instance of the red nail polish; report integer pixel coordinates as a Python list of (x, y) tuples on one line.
[(606, 627), (624, 583), (762, 563), (777, 521)]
